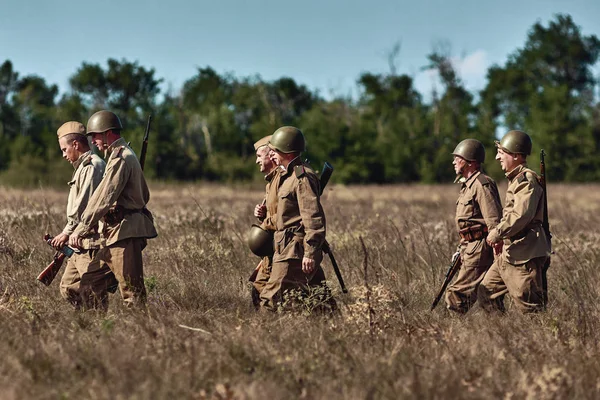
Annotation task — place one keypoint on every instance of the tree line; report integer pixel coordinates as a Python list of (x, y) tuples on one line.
[(387, 134)]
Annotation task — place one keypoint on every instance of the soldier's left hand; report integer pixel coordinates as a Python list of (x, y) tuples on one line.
[(308, 265), (59, 241), (498, 247), (75, 241)]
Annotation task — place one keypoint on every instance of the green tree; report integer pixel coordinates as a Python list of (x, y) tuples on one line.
[(546, 88)]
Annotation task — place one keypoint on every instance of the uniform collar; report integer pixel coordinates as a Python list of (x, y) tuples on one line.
[(119, 142), (269, 177), (515, 171), (292, 164), (467, 181), (470, 180), (82, 157)]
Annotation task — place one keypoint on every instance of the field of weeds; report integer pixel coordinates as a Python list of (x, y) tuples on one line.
[(200, 337)]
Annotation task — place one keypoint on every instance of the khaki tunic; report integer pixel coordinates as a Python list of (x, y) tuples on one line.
[(85, 281), (89, 169), (123, 185), (518, 271), (521, 224), (300, 232), (478, 204), (264, 267)]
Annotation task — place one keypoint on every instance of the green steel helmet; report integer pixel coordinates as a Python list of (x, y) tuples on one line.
[(260, 241), (470, 150), (103, 121), (288, 139), (515, 142)]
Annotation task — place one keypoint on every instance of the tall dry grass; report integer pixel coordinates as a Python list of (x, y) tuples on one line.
[(200, 338)]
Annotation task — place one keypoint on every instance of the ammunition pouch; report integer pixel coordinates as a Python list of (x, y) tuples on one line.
[(473, 233)]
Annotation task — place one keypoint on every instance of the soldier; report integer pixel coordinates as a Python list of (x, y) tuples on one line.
[(518, 271), (299, 223), (478, 210), (85, 281), (265, 212), (120, 203)]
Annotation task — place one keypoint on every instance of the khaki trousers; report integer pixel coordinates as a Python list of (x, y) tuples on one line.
[(287, 275), (86, 281), (462, 293), (261, 279), (523, 282), (124, 258)]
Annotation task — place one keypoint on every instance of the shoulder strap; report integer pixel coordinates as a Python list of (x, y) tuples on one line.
[(117, 151), (299, 170), (484, 179)]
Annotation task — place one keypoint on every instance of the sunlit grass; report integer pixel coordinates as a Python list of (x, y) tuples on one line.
[(200, 337)]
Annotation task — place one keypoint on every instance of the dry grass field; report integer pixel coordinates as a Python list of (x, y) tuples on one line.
[(196, 277)]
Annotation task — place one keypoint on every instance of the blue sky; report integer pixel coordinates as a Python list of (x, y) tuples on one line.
[(323, 44)]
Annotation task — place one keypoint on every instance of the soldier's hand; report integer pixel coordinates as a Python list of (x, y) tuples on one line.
[(59, 241), (498, 247), (75, 241), (308, 265), (260, 211)]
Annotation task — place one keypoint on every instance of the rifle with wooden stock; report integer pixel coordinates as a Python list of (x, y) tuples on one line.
[(452, 270), (50, 272), (324, 178), (545, 225)]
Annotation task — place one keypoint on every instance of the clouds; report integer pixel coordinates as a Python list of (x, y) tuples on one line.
[(471, 69)]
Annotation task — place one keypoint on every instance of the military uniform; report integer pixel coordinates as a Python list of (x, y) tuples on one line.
[(518, 271), (85, 281), (300, 232), (120, 204), (478, 209), (268, 224)]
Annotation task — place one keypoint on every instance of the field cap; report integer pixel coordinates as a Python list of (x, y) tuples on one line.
[(262, 142), (71, 127)]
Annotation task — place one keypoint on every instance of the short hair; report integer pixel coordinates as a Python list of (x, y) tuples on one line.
[(75, 137)]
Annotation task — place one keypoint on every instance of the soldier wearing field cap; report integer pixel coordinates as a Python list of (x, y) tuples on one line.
[(299, 223), (120, 204), (478, 210), (85, 281), (518, 271), (265, 212)]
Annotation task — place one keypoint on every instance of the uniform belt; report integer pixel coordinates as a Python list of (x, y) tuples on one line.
[(473, 233), (115, 215), (525, 231)]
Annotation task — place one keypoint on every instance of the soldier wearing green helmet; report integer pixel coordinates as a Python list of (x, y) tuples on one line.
[(299, 224), (525, 247), (260, 237), (120, 203), (478, 210)]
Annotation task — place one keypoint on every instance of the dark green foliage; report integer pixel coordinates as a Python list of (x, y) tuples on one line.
[(387, 134)]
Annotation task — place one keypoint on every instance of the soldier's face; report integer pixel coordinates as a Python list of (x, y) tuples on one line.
[(69, 150), (98, 140), (507, 161), (275, 157), (262, 159), (459, 164)]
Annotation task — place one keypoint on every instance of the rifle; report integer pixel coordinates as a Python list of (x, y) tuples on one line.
[(324, 178), (49, 273), (145, 143), (452, 270), (545, 225), (325, 175)]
